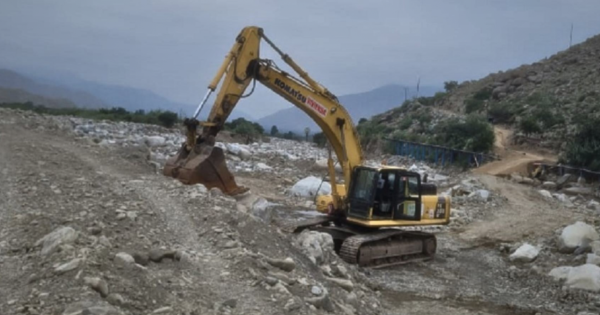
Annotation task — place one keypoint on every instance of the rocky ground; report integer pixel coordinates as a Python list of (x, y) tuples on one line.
[(88, 226)]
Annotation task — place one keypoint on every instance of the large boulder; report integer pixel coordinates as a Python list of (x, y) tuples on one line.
[(545, 193), (154, 141), (525, 253), (578, 191), (576, 235), (308, 187), (60, 236), (318, 246), (560, 273), (585, 277)]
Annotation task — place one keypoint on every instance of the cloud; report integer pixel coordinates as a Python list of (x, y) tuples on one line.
[(174, 47)]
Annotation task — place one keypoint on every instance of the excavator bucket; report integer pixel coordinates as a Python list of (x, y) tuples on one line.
[(204, 166)]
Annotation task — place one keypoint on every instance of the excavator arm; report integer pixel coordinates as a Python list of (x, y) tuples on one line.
[(200, 162)]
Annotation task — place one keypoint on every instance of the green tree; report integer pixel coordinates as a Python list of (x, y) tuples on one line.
[(274, 131), (320, 139), (450, 85), (167, 118)]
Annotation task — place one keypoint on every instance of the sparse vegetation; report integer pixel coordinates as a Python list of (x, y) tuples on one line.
[(156, 117), (584, 149), (246, 128), (473, 105), (529, 126), (472, 134)]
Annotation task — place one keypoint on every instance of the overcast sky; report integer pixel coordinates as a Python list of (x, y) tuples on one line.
[(174, 47)]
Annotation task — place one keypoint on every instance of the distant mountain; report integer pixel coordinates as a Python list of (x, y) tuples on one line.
[(13, 80), (130, 98), (19, 96), (359, 105)]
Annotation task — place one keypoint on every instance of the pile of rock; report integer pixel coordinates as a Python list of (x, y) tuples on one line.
[(579, 238)]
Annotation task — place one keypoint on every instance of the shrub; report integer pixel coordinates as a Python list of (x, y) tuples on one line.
[(483, 94), (473, 105), (167, 119), (584, 150), (502, 112), (472, 134), (529, 125)]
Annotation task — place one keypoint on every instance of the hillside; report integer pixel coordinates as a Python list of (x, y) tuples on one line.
[(13, 80), (19, 96), (549, 105), (359, 105)]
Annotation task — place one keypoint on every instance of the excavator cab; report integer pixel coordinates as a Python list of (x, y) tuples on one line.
[(385, 194)]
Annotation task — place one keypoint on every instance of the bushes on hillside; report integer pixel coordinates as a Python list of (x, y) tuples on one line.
[(584, 149), (472, 134)]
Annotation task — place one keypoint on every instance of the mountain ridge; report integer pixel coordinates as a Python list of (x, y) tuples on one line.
[(378, 100)]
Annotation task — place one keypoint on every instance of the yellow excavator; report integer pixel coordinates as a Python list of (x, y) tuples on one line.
[(366, 206)]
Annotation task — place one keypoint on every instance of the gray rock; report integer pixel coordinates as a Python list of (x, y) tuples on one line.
[(141, 258), (115, 299), (287, 264), (595, 247), (98, 285), (263, 167), (585, 277), (352, 299), (578, 191), (545, 193), (593, 205), (157, 255), (271, 281), (163, 310), (481, 194), (560, 273), (124, 259), (308, 187), (293, 304), (575, 235), (71, 265), (563, 180), (316, 290), (60, 236), (525, 253), (343, 283), (91, 308), (340, 271), (154, 141), (323, 301), (231, 303), (593, 259), (282, 277), (261, 209), (318, 246)]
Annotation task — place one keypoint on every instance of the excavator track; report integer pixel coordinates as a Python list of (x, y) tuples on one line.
[(386, 248)]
